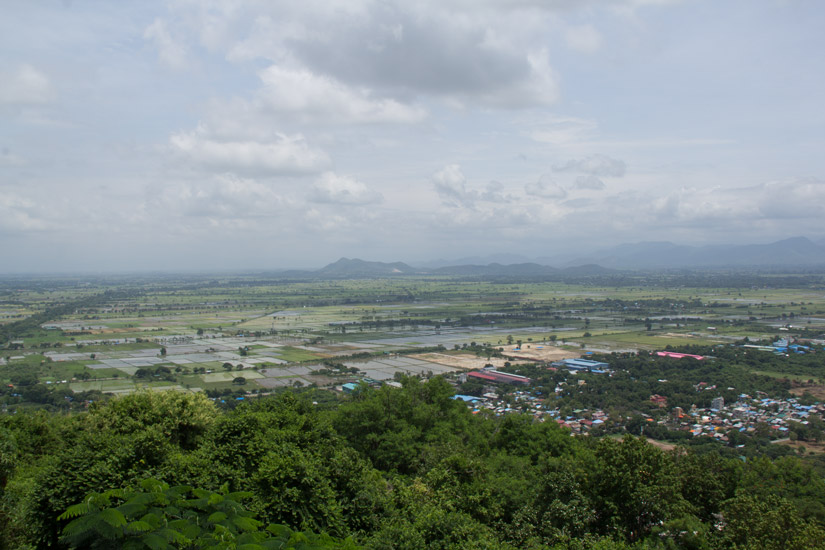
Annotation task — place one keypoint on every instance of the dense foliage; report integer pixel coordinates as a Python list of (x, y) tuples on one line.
[(406, 468)]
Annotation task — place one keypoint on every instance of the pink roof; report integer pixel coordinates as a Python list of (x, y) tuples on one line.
[(676, 355)]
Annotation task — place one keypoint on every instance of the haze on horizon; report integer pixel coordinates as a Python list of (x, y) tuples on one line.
[(169, 135)]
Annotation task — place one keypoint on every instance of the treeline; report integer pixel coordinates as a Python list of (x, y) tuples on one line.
[(402, 469), (30, 326)]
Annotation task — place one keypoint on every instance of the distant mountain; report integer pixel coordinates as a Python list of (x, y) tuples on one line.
[(360, 268), (587, 270), (793, 252), (788, 253), (498, 270), (504, 259)]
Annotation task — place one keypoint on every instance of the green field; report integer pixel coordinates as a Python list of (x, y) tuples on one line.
[(203, 322)]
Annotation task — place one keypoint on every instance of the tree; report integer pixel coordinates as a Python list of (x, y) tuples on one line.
[(163, 351), (767, 523), (634, 487), (240, 381), (157, 516)]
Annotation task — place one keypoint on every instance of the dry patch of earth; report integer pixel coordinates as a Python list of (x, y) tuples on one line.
[(809, 446), (817, 390), (462, 361), (541, 353), (661, 444)]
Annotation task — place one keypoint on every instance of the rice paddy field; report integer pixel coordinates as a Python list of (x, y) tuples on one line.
[(199, 333)]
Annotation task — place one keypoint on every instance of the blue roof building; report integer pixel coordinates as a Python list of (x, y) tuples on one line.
[(583, 364)]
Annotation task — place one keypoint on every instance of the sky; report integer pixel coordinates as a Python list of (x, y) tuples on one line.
[(265, 134)]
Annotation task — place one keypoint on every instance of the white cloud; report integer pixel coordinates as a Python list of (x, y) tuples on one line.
[(22, 214), (546, 188), (171, 51), (325, 99), (25, 85), (596, 165), (9, 158), (224, 196), (336, 189), (583, 38), (793, 199), (285, 155), (451, 186), (590, 182), (562, 130)]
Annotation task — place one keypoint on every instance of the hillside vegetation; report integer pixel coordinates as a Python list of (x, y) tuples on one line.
[(389, 468)]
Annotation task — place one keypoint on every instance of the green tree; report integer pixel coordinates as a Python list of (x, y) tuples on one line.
[(767, 523), (156, 516), (633, 487)]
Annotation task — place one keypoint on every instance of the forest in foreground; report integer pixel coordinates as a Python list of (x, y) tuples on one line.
[(388, 468)]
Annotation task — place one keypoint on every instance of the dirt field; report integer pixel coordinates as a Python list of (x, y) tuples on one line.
[(547, 353), (809, 446), (463, 361), (818, 391), (661, 444)]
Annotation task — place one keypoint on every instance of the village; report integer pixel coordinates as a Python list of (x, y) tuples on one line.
[(762, 415)]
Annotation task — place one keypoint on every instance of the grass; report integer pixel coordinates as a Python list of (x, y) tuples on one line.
[(296, 355), (785, 375)]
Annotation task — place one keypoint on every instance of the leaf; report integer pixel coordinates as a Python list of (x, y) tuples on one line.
[(246, 524), (130, 508), (217, 517), (155, 542), (112, 517), (75, 510), (139, 526), (238, 496)]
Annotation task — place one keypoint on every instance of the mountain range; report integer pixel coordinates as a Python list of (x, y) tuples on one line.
[(797, 252), (793, 252)]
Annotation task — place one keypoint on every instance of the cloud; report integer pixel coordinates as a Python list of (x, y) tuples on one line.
[(21, 214), (25, 85), (792, 199), (9, 158), (583, 38), (285, 155), (413, 51), (589, 182), (326, 99), (545, 188), (224, 196), (596, 165), (561, 130), (171, 51), (451, 186), (332, 188)]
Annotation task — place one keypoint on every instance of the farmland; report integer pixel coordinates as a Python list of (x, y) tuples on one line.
[(256, 334)]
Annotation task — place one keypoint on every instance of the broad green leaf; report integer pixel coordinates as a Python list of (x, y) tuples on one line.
[(217, 517), (156, 542), (112, 517)]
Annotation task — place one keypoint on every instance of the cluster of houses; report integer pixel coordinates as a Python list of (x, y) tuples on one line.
[(533, 403), (744, 415)]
